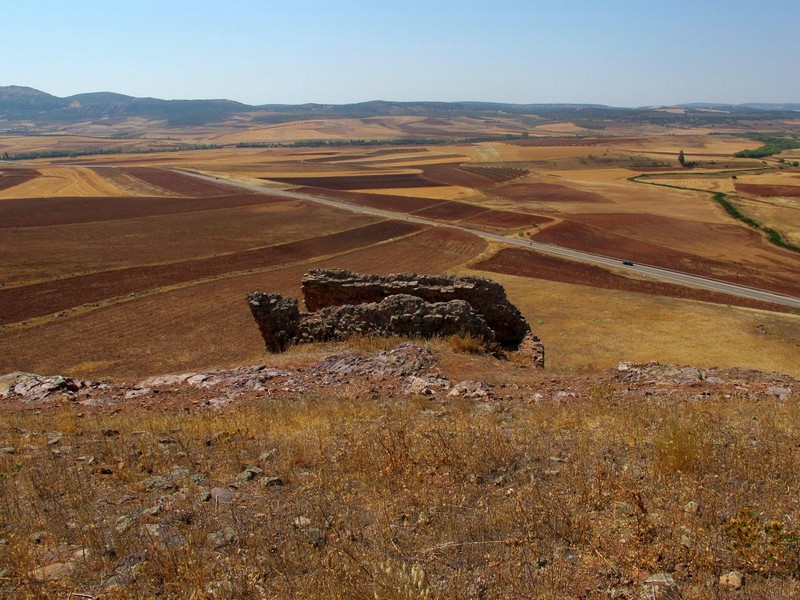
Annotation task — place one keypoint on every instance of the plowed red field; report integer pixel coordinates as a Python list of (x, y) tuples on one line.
[(545, 192), (37, 212), (445, 210), (360, 182), (451, 211), (527, 263), (581, 236), (20, 303), (507, 219), (186, 185), (787, 191), (450, 174), (403, 204)]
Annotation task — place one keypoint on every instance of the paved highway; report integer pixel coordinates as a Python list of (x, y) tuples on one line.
[(646, 270)]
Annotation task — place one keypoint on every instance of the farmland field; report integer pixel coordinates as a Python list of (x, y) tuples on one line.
[(125, 265)]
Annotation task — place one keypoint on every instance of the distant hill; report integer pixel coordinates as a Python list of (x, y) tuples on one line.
[(25, 104)]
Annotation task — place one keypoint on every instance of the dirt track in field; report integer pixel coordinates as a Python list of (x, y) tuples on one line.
[(25, 302), (527, 263)]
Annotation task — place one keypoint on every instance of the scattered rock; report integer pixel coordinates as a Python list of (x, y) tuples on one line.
[(222, 495), (273, 482), (136, 393), (782, 393), (470, 389), (33, 388), (249, 473), (733, 580), (301, 522), (222, 538), (424, 385), (404, 360), (159, 483), (660, 586)]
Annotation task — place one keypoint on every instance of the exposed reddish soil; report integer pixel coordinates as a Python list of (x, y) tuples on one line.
[(186, 185), (451, 174), (787, 191), (451, 211), (436, 209), (406, 204), (581, 236), (20, 303), (528, 263), (497, 174), (9, 179), (507, 219), (545, 192), (572, 141), (360, 182), (39, 212)]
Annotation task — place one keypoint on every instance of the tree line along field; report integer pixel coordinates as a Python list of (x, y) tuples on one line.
[(130, 281)]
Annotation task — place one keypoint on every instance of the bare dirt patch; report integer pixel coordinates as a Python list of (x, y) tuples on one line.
[(545, 192), (355, 182)]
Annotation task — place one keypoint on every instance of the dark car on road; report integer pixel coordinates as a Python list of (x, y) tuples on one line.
[(628, 263)]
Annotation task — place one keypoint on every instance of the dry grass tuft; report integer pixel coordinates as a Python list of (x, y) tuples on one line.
[(401, 498)]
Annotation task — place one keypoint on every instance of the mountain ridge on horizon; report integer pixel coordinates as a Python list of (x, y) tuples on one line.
[(18, 103)]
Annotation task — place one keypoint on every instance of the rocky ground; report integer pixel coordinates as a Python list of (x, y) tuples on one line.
[(408, 369), (389, 475)]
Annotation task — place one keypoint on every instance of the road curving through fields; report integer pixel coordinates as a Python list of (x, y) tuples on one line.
[(650, 271)]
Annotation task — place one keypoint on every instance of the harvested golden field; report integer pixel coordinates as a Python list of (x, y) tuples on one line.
[(204, 236), (53, 182), (586, 329)]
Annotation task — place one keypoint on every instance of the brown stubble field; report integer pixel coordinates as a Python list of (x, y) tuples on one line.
[(103, 282)]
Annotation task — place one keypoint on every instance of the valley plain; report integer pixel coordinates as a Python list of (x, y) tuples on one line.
[(655, 455), (105, 255)]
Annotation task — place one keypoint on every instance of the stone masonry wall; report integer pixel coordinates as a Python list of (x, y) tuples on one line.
[(337, 287)]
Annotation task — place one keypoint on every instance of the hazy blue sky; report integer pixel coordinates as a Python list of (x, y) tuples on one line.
[(625, 53)]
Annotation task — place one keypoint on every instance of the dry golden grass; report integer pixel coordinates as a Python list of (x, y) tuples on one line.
[(63, 182), (783, 215), (585, 329), (401, 499), (443, 192)]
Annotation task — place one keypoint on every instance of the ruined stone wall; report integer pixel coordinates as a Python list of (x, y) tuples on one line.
[(281, 323), (337, 287)]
